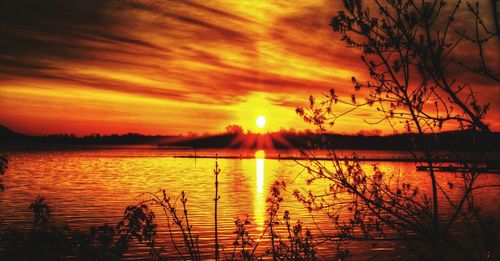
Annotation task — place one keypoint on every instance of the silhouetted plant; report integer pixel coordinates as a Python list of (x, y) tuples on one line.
[(3, 168), (485, 37), (100, 243), (234, 129), (299, 245), (408, 50), (216, 199), (47, 242), (50, 243), (41, 212), (180, 219), (243, 240), (274, 201), (3, 164), (138, 223), (177, 219)]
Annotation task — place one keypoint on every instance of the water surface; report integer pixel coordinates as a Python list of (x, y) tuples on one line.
[(93, 187)]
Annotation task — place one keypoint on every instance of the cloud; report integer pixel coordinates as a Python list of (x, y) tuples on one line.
[(44, 38), (206, 54)]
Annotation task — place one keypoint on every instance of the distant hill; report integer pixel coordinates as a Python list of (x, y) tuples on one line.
[(7, 134), (458, 140), (10, 137)]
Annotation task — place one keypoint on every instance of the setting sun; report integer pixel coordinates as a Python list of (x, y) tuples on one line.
[(261, 121)]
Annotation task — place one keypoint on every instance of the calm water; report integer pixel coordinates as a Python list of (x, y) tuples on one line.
[(92, 187)]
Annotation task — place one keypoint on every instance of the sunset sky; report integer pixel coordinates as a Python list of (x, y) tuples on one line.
[(170, 67)]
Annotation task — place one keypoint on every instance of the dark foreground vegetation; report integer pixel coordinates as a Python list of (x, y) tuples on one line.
[(138, 226)]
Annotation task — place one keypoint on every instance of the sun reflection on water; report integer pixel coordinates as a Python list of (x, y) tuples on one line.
[(259, 200), (70, 181)]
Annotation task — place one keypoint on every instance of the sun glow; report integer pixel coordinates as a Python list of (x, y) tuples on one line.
[(261, 121)]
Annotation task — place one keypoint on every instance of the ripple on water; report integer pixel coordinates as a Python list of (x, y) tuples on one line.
[(86, 188)]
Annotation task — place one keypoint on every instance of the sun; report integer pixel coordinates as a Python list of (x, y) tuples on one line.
[(261, 121)]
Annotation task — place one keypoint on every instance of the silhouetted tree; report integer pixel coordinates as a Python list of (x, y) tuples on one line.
[(485, 37), (409, 48), (234, 129)]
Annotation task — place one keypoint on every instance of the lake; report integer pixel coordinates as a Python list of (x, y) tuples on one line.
[(93, 187)]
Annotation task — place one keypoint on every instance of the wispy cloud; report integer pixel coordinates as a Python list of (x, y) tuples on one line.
[(198, 58)]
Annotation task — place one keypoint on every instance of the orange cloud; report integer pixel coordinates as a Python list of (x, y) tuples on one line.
[(167, 67)]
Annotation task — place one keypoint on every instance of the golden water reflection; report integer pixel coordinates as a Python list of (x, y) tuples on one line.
[(92, 187), (260, 197)]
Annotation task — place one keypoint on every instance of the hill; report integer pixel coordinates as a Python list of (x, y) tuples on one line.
[(458, 140)]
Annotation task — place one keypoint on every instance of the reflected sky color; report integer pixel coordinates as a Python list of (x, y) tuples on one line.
[(88, 188)]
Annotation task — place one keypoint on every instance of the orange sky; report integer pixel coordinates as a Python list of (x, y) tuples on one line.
[(170, 67)]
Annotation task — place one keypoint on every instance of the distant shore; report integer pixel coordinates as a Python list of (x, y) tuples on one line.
[(443, 141)]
